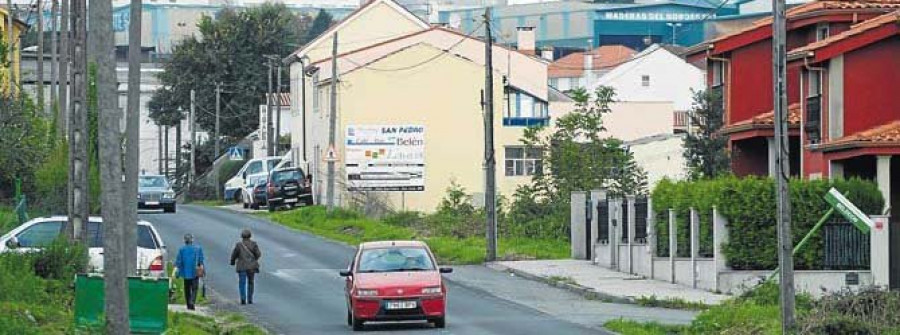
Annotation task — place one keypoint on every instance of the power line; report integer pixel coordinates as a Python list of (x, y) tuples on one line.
[(444, 52)]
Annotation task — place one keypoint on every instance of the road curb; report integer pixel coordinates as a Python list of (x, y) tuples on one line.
[(586, 292)]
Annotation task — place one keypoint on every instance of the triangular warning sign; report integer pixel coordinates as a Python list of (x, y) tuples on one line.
[(330, 155)]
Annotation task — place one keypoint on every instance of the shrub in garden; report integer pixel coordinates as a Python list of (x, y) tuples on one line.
[(749, 205)]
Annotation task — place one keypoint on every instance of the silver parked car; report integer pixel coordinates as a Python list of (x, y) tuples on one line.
[(154, 192)]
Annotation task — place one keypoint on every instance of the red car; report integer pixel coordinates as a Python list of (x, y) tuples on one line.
[(395, 281)]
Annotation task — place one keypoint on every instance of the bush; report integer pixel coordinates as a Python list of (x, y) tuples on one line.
[(748, 204), (869, 311)]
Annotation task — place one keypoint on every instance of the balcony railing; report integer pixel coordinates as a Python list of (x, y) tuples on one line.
[(526, 121)]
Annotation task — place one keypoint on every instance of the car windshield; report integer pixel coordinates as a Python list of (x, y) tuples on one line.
[(288, 175), (395, 260), (155, 181)]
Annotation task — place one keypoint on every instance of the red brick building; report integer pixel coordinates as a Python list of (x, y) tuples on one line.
[(843, 88)]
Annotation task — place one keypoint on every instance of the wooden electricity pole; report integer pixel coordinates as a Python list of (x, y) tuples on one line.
[(332, 123), (490, 198), (782, 161)]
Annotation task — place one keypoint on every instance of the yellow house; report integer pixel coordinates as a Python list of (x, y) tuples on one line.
[(18, 28)]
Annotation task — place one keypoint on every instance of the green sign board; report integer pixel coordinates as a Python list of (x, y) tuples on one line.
[(849, 211)]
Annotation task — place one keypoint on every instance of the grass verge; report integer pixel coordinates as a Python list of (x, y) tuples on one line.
[(672, 303), (352, 228), (222, 324), (628, 327)]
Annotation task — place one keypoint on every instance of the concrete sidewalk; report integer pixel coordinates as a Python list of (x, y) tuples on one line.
[(589, 279)]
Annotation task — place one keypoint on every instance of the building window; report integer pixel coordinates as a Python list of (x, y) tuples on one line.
[(822, 31), (815, 83), (521, 161), (645, 80), (718, 73)]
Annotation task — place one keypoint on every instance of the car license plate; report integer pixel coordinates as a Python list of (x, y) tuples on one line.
[(400, 305), (290, 200), (152, 203)]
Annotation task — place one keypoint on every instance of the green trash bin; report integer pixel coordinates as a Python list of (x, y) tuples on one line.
[(148, 300)]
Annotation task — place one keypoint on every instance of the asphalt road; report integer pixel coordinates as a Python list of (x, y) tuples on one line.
[(299, 290)]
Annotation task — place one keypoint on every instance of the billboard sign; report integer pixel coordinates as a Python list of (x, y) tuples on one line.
[(385, 157)]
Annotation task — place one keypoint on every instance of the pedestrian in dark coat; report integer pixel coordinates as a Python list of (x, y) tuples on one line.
[(245, 259)]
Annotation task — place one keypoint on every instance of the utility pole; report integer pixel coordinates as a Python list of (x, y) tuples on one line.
[(277, 107), (179, 170), (65, 56), (39, 4), (159, 150), (490, 198), (332, 122), (110, 143), (54, 66), (193, 126), (269, 150), (165, 156), (10, 39), (782, 172), (78, 123), (132, 131), (216, 139), (303, 102)]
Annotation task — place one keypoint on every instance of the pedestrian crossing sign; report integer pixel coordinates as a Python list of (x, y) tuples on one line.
[(235, 154)]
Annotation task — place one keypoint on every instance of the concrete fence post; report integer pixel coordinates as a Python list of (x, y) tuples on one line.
[(720, 237), (596, 197), (631, 231), (695, 245), (615, 231), (651, 236), (577, 225), (673, 243), (880, 239)]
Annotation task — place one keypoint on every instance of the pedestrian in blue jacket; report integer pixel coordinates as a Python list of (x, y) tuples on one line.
[(189, 266)]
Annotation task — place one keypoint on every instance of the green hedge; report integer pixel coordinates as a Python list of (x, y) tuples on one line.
[(749, 206)]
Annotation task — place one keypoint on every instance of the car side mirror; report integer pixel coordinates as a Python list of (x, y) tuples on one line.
[(446, 270), (345, 273), (12, 243)]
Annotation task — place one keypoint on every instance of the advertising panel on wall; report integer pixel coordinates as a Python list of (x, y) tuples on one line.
[(385, 157)]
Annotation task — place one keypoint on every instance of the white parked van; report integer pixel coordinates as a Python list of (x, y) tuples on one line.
[(257, 167)]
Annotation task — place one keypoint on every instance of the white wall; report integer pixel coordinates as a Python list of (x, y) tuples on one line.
[(671, 79), (629, 121), (661, 156)]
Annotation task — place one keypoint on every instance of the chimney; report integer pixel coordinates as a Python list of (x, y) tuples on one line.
[(525, 39), (547, 53)]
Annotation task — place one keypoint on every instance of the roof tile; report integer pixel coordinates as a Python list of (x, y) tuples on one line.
[(766, 120), (859, 28), (884, 134), (606, 56)]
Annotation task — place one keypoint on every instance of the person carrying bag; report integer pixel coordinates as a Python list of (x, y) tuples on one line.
[(189, 266), (245, 259)]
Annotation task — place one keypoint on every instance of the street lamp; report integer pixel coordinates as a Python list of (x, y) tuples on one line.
[(674, 25)]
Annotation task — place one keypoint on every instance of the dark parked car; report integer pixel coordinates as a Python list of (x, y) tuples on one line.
[(259, 194), (289, 187), (154, 192)]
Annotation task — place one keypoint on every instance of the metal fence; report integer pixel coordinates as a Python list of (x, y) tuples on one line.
[(603, 221), (846, 248), (640, 220)]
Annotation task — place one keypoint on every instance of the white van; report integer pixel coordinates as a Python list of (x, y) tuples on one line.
[(257, 167)]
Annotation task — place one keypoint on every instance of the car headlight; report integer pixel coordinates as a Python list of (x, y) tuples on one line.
[(432, 290), (169, 195), (366, 293)]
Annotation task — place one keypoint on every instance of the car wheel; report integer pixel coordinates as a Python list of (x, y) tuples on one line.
[(237, 197), (254, 206), (169, 209), (440, 322), (271, 206), (349, 318), (358, 324)]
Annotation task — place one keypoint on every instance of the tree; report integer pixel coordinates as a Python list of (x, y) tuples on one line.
[(576, 156), (705, 149), (230, 50), (322, 22)]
